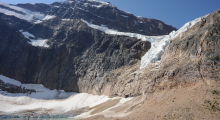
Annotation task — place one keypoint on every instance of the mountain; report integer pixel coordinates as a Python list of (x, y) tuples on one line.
[(132, 67), (56, 46), (165, 66), (102, 13)]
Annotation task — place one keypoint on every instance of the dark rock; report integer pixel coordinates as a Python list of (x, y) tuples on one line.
[(13, 88), (79, 59)]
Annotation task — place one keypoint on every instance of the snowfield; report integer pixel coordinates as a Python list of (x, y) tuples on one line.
[(47, 102), (41, 91)]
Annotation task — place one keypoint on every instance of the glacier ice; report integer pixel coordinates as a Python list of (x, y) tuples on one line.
[(158, 47), (158, 43)]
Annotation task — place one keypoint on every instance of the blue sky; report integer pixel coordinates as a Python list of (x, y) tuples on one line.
[(172, 12)]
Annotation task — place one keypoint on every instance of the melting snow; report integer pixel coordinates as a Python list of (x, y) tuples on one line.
[(40, 43), (35, 42), (47, 17), (99, 1), (41, 91), (41, 101), (56, 6), (124, 16), (27, 14), (158, 43), (9, 80)]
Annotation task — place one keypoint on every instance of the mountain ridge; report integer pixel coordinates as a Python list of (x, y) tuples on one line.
[(179, 78), (78, 46)]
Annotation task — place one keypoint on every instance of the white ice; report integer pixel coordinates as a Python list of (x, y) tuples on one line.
[(158, 43), (157, 48)]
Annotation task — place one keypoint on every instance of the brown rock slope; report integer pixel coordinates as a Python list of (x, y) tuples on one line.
[(199, 102), (184, 85), (193, 57)]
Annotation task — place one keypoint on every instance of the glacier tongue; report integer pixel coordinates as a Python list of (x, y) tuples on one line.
[(158, 47), (158, 43)]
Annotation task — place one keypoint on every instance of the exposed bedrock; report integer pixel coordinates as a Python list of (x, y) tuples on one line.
[(191, 57)]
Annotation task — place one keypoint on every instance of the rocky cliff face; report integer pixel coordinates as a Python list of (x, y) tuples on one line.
[(102, 13), (51, 45), (192, 56), (84, 52), (76, 57)]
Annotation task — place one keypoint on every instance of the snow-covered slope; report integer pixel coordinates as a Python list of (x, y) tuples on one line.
[(158, 43), (41, 91), (40, 103), (115, 32), (21, 12), (22, 106)]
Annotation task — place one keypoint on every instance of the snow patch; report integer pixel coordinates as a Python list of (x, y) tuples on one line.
[(35, 42), (102, 2), (40, 43), (41, 91), (27, 14), (9, 80), (47, 17), (56, 6), (70, 2), (67, 19), (124, 16), (115, 32), (97, 6)]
